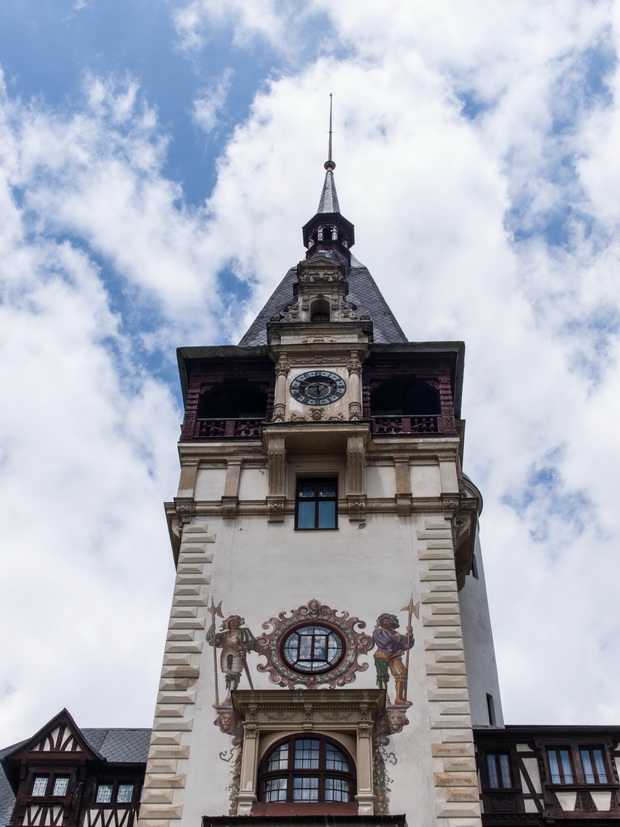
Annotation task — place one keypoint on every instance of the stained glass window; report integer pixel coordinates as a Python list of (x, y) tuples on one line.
[(313, 648)]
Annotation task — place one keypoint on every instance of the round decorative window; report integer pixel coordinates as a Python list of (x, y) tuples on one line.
[(312, 648), (313, 645)]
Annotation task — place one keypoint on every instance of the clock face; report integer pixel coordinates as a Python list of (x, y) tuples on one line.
[(318, 387)]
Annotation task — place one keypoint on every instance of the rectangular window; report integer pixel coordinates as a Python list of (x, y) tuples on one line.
[(498, 770), (61, 785), (40, 785), (104, 793), (316, 504), (124, 793), (560, 766), (593, 765)]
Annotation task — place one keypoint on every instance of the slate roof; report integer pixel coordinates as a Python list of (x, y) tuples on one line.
[(363, 292), (328, 203)]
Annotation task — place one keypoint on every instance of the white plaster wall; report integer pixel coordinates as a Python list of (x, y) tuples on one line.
[(480, 660), (261, 569), (425, 480), (210, 483), (253, 484), (380, 481)]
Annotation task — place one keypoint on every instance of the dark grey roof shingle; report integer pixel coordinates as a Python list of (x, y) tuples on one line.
[(120, 746), (363, 292)]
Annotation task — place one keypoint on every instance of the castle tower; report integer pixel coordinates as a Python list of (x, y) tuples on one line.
[(329, 647)]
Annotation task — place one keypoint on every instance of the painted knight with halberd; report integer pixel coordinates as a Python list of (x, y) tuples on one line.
[(391, 646), (235, 640)]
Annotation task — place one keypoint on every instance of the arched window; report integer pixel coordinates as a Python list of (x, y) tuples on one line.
[(319, 311), (306, 770)]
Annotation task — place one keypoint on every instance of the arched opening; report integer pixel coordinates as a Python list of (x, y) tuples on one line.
[(403, 396), (232, 399), (319, 311), (306, 769)]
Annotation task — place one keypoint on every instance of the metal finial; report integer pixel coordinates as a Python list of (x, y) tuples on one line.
[(329, 164)]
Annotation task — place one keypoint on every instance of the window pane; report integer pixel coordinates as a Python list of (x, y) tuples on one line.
[(306, 488), (327, 488), (104, 794), (492, 771), (61, 785), (40, 784), (587, 766), (334, 759), (600, 766), (504, 769), (275, 789), (327, 514), (278, 760), (125, 793), (305, 514), (306, 789), (336, 789), (566, 767), (306, 754)]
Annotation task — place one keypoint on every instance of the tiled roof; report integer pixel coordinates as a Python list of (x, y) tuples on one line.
[(363, 292), (328, 202), (120, 746)]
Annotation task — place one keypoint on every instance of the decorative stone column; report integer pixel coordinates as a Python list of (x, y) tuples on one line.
[(276, 464), (279, 403), (356, 490), (354, 367)]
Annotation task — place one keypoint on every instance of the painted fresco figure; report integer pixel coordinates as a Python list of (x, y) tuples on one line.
[(235, 640), (391, 646)]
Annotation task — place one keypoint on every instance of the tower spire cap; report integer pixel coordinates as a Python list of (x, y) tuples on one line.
[(329, 197), (330, 164)]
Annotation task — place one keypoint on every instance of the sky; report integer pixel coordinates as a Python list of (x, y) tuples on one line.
[(158, 159)]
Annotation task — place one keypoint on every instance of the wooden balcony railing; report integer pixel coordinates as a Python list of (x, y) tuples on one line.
[(399, 425), (242, 428), (229, 428)]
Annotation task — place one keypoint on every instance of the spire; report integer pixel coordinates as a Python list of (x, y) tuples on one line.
[(329, 196), (328, 232)]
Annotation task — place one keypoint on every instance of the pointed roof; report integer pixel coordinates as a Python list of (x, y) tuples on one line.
[(329, 197), (363, 292)]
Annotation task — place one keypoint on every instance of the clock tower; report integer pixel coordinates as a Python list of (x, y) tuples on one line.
[(329, 646)]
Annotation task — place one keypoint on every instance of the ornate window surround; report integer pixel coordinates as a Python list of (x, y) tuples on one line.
[(346, 715)]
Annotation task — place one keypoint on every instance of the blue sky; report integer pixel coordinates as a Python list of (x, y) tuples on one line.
[(157, 162)]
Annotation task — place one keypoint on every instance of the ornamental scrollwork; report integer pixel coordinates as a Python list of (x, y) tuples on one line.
[(277, 629)]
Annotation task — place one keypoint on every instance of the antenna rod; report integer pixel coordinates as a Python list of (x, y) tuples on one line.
[(329, 149), (329, 164)]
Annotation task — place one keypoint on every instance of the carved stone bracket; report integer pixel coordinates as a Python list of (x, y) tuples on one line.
[(463, 515), (357, 507), (275, 508), (185, 508)]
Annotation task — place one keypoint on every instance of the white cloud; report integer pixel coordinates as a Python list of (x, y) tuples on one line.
[(210, 102), (460, 132), (436, 197)]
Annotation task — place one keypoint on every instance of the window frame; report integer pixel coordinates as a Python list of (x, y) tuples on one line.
[(115, 784), (51, 780), (561, 775), (317, 500), (590, 749), (497, 755), (291, 772)]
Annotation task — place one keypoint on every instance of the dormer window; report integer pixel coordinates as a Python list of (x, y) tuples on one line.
[(319, 312)]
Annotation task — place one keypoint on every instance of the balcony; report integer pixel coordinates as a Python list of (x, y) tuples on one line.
[(234, 428), (403, 425)]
